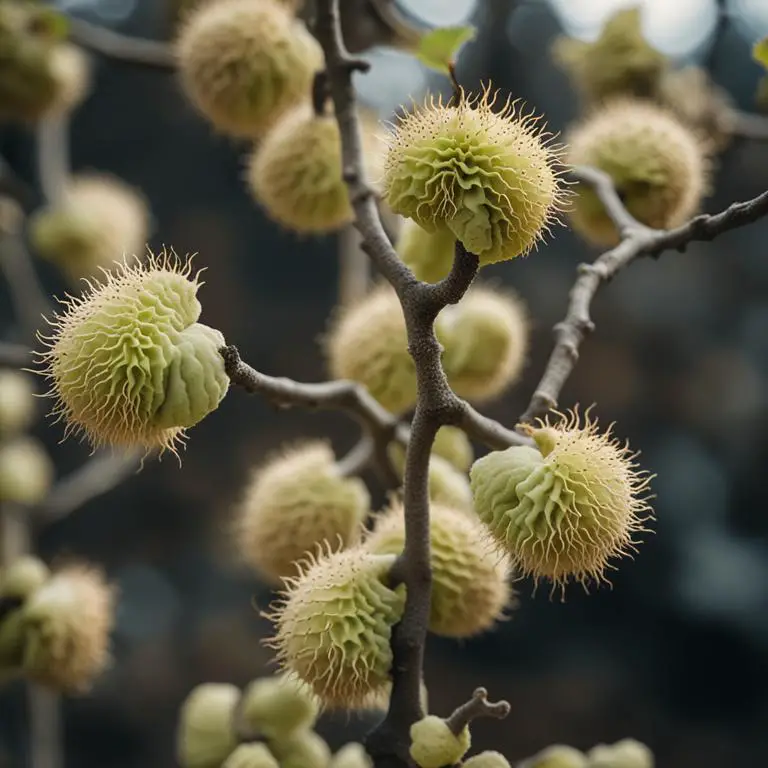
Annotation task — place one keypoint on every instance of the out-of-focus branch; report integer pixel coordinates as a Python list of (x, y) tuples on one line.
[(747, 125), (134, 50), (53, 157), (14, 355)]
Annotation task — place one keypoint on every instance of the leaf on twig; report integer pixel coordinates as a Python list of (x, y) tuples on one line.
[(439, 48)]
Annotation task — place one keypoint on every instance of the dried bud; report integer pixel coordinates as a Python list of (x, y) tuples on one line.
[(26, 471), (488, 177), (658, 166), (487, 759), (433, 744), (67, 623), (277, 707), (129, 363), (627, 753), (470, 587), (251, 756), (351, 755), (305, 750), (293, 503), (242, 64), (334, 624), (429, 254), (485, 337), (206, 735), (563, 509), (558, 756), (17, 402), (100, 221)]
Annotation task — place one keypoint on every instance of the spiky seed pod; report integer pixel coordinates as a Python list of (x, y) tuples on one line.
[(100, 220), (429, 254), (658, 165), (433, 744), (251, 756), (277, 707), (17, 402), (26, 471), (128, 362), (351, 755), (333, 626), (487, 759), (485, 337), (627, 753), (452, 444), (486, 176), (295, 173), (619, 63), (242, 64), (294, 502), (566, 507), (206, 735), (699, 103), (558, 756), (71, 70), (470, 588), (368, 344), (304, 750), (67, 623)]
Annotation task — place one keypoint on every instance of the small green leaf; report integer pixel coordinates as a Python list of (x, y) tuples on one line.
[(439, 48), (760, 52)]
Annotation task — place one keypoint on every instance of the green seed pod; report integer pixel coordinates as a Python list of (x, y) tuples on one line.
[(470, 586), (206, 735), (333, 626), (351, 755), (295, 173), (627, 753), (563, 509), (26, 471), (277, 707), (488, 177), (128, 361), (433, 745), (429, 254), (294, 502), (658, 166), (17, 402), (487, 759), (99, 222), (557, 756), (485, 337), (66, 624), (452, 444), (619, 63), (251, 756), (304, 750), (242, 64), (368, 344)]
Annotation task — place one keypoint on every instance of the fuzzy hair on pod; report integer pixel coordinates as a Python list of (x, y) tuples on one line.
[(17, 402), (333, 626), (242, 64), (627, 753), (486, 176), (368, 343), (304, 750), (66, 625), (206, 734), (658, 165), (619, 63), (485, 337), (129, 364), (100, 221), (470, 583), (26, 471), (434, 745), (565, 508), (352, 755), (557, 756), (487, 759), (294, 502), (428, 254)]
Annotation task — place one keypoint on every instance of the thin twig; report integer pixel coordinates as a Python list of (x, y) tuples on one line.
[(478, 706), (14, 355), (53, 157), (747, 125), (134, 50)]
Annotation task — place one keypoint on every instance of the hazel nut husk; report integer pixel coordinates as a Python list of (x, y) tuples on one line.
[(368, 343), (658, 165), (429, 255), (470, 583), (485, 337), (487, 759), (67, 623), (295, 501), (627, 753), (17, 402), (26, 471), (243, 64), (277, 707), (352, 755), (486, 176), (333, 626), (563, 509), (99, 221), (251, 756), (557, 756), (304, 750), (434, 745), (206, 732), (128, 363)]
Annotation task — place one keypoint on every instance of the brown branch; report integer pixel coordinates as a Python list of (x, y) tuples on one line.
[(134, 50), (747, 125), (14, 355), (478, 706)]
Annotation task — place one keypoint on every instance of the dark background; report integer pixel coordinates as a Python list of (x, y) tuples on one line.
[(676, 654)]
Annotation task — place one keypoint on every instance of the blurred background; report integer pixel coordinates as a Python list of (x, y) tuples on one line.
[(676, 653)]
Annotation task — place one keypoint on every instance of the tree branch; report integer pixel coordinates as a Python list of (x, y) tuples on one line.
[(478, 706), (14, 355)]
